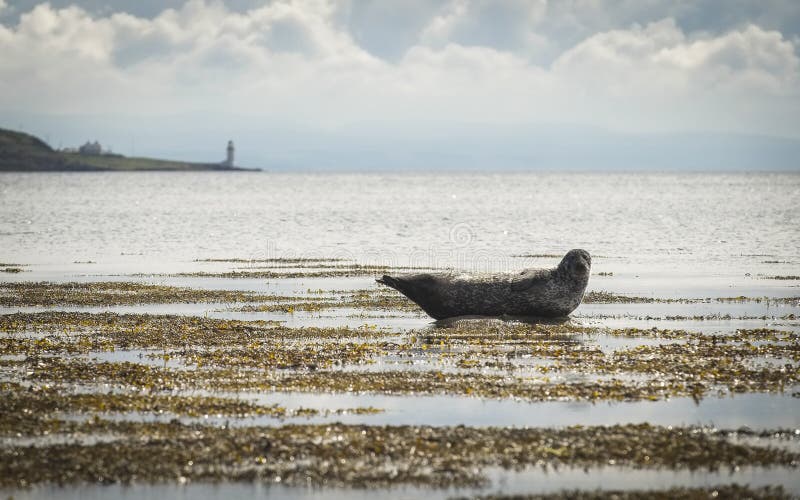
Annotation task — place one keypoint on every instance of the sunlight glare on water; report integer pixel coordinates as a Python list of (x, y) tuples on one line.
[(472, 221)]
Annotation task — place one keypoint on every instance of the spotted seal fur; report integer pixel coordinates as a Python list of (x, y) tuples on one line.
[(533, 292)]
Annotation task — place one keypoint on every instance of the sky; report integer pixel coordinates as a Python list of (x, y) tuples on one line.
[(421, 84)]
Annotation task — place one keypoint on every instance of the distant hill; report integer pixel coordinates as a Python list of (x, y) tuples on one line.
[(21, 152)]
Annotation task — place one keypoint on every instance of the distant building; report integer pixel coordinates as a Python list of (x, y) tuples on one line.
[(91, 148), (229, 156)]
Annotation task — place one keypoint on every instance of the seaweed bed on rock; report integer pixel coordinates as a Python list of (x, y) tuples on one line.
[(242, 355), (72, 414), (366, 456)]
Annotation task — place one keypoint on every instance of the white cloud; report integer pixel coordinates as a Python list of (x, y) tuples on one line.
[(509, 26), (661, 58), (296, 60)]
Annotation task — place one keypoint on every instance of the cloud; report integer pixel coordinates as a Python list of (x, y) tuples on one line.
[(64, 59), (661, 54), (541, 30), (312, 62), (386, 29), (508, 26)]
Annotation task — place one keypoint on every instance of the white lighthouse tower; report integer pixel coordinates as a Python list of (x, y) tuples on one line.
[(229, 157)]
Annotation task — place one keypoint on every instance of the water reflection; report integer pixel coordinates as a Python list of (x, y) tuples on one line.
[(478, 321), (528, 480)]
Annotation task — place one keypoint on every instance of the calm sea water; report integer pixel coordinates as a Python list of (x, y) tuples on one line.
[(726, 224)]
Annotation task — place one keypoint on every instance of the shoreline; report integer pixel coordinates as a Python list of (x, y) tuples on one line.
[(88, 169)]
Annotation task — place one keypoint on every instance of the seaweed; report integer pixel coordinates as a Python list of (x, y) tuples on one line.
[(367, 456)]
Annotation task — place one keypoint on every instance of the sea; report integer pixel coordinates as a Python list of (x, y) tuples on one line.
[(669, 224)]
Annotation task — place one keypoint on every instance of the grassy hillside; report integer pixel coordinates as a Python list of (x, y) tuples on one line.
[(104, 162), (21, 152)]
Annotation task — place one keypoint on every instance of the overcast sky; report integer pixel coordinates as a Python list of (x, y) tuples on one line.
[(403, 81)]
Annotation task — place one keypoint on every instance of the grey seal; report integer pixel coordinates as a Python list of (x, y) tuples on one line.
[(532, 292)]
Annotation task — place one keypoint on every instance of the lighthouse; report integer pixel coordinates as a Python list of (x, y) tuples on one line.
[(229, 156)]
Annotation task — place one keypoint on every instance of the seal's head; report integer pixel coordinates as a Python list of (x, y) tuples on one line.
[(576, 264)]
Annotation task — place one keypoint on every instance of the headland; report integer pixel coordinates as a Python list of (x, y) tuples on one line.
[(22, 152)]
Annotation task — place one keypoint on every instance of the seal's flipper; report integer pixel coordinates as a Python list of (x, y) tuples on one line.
[(387, 280), (420, 288), (398, 284), (527, 280), (522, 285)]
